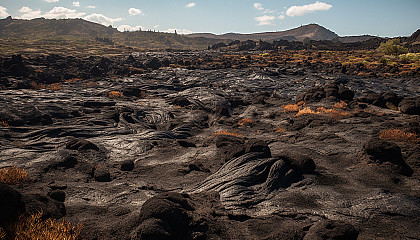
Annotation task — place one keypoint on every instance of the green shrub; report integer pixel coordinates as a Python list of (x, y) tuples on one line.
[(409, 57), (392, 47), (385, 61)]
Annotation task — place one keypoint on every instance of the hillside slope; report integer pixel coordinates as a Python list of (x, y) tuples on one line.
[(311, 31)]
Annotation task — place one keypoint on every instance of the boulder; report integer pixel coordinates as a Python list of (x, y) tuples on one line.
[(153, 63), (50, 208), (164, 217), (81, 144), (410, 105), (102, 175), (327, 229), (381, 151), (127, 165), (11, 204)]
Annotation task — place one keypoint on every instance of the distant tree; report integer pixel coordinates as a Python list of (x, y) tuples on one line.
[(392, 47)]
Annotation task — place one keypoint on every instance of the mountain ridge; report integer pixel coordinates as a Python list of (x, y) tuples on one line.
[(311, 31)]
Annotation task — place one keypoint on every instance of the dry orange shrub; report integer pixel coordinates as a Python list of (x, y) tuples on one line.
[(34, 228), (13, 175), (305, 111), (53, 86), (4, 124), (399, 135), (280, 130), (2, 233), (340, 105), (225, 132), (90, 84), (72, 80), (115, 94), (333, 112), (245, 121), (294, 107)]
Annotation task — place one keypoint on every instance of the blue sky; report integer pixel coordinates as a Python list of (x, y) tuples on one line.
[(386, 18)]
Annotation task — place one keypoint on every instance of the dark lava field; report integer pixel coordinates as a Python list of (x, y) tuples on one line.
[(151, 146)]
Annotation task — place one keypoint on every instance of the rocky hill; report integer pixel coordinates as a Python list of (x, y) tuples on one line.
[(38, 27), (311, 31), (79, 32)]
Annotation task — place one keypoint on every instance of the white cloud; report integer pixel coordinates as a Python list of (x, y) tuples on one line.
[(258, 6), (92, 7), (25, 10), (156, 26), (50, 1), (31, 15), (265, 20), (281, 17), (302, 10), (62, 12), (76, 4), (56, 12), (179, 31), (124, 28), (28, 13), (134, 11), (101, 19), (190, 5), (3, 12)]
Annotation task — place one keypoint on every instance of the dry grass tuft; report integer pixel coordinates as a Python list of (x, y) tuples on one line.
[(13, 175), (115, 94), (2, 233), (4, 123), (399, 135), (53, 86), (224, 132), (340, 105), (305, 111), (34, 228), (245, 121), (337, 112), (280, 130), (294, 107)]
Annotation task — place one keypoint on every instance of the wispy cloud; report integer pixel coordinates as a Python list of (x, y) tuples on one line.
[(134, 11), (76, 4), (29, 13), (56, 12), (125, 28), (62, 12), (265, 20), (190, 5), (101, 19), (281, 17), (3, 12), (258, 6), (179, 31), (92, 7), (51, 1), (302, 10)]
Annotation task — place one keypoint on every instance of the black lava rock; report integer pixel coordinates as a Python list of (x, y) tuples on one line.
[(153, 63), (332, 230), (50, 208), (127, 165), (81, 144), (11, 204), (382, 151), (102, 175), (57, 195), (410, 105), (164, 215)]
